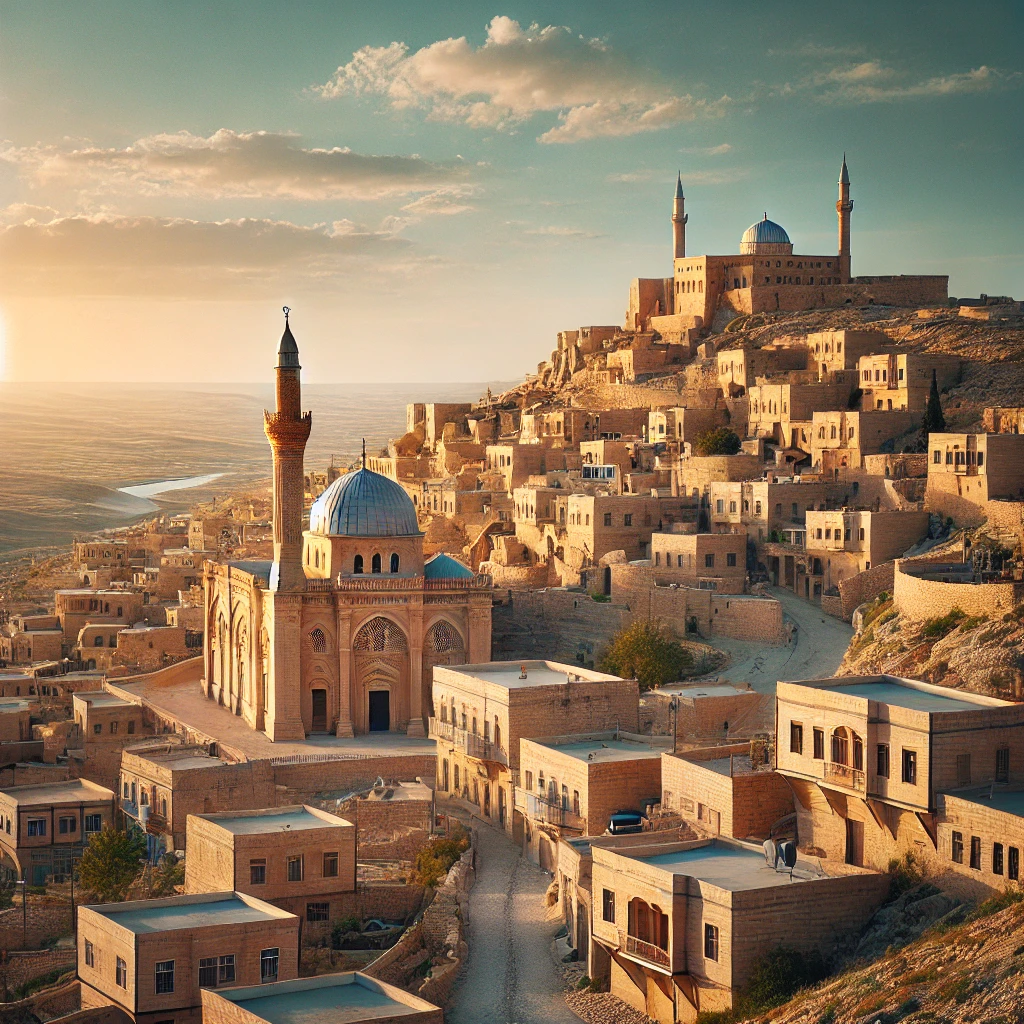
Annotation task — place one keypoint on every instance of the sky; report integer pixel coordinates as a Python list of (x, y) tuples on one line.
[(436, 190)]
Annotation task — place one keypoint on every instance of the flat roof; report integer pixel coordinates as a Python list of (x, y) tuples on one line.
[(348, 998), (597, 751), (142, 917), (1009, 802), (10, 704), (538, 673), (729, 867), (73, 791), (724, 765), (102, 699), (708, 690), (901, 695), (292, 819), (176, 761)]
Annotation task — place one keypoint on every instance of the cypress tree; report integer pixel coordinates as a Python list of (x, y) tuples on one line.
[(934, 421)]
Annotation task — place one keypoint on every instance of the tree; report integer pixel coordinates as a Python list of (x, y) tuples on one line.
[(720, 441), (647, 652), (934, 421), (111, 862)]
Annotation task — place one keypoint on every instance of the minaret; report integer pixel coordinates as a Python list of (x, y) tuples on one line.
[(844, 208), (287, 430), (679, 220)]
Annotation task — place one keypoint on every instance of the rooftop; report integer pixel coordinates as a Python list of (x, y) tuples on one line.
[(908, 694), (513, 675), (14, 704), (74, 791), (281, 819), (102, 699), (142, 917), (1007, 801), (599, 751), (706, 690), (328, 999)]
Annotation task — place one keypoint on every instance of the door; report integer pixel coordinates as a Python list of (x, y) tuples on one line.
[(501, 806), (855, 842), (319, 711), (380, 710), (487, 800)]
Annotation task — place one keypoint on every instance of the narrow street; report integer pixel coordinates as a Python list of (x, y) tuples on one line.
[(510, 975)]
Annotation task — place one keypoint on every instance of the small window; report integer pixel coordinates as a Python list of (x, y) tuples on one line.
[(883, 760), (258, 872), (796, 738), (93, 823), (318, 911), (608, 906), (121, 973), (910, 767), (131, 727), (1013, 864), (67, 826), (963, 769), (976, 852), (295, 869), (269, 960), (37, 826), (330, 865), (730, 559), (711, 942), (997, 858), (627, 519), (375, 563), (90, 954), (709, 561), (394, 561), (357, 564), (164, 977), (819, 744), (607, 519), (956, 851), (98, 728), (1003, 764)]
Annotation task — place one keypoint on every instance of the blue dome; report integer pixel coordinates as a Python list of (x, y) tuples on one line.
[(764, 232), (443, 566), (363, 504)]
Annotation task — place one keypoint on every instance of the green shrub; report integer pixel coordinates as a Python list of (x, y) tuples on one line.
[(1007, 898), (584, 982), (647, 652), (719, 441), (435, 860), (905, 876), (598, 596), (942, 625)]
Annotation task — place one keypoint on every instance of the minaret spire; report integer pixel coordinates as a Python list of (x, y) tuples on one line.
[(844, 207), (679, 219), (287, 430)]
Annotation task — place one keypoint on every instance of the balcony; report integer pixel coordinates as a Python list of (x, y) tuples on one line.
[(468, 742), (644, 950), (844, 776), (550, 812)]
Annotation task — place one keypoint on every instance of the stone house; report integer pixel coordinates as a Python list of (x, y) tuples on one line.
[(831, 351), (15, 720), (840, 440), (704, 561), (150, 958), (903, 380), (974, 468), (739, 368), (868, 756), (783, 412), (980, 838), (760, 508)]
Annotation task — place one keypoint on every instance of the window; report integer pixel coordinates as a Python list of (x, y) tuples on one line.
[(394, 561), (981, 458), (113, 728), (608, 906), (90, 954), (976, 852), (883, 760), (269, 959), (37, 826), (796, 738), (375, 563), (131, 727), (121, 973), (357, 564), (997, 858), (757, 508), (318, 911), (258, 872), (607, 519), (937, 457), (957, 848), (1013, 864), (730, 558), (963, 769), (93, 823), (67, 826), (819, 744), (627, 519), (295, 869), (910, 767), (529, 780), (720, 505), (330, 865), (98, 728), (164, 976), (1003, 764), (709, 561), (711, 941)]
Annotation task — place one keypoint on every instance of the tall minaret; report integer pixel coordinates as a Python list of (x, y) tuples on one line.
[(844, 208), (287, 430), (679, 220)]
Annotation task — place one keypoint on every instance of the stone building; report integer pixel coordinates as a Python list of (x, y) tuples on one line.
[(704, 561), (980, 838), (868, 756), (150, 958), (481, 712), (338, 634), (299, 858), (902, 380), (840, 440), (43, 827), (973, 469)]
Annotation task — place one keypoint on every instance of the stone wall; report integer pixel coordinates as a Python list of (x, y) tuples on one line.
[(864, 586), (48, 917), (925, 599)]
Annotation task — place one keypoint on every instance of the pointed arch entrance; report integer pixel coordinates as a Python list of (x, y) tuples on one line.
[(381, 676)]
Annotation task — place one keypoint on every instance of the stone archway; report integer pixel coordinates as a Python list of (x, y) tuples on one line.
[(381, 653), (443, 644)]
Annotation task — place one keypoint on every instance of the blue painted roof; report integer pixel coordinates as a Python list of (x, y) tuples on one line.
[(363, 504), (443, 566), (765, 231)]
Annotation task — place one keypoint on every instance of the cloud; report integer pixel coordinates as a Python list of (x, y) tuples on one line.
[(230, 164), (717, 177), (442, 202), (872, 81), (561, 231), (116, 255), (518, 73)]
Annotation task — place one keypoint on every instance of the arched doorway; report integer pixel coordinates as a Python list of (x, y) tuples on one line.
[(379, 713), (381, 653), (319, 701)]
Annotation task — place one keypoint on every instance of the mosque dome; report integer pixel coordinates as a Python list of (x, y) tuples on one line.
[(363, 504), (444, 567), (767, 238)]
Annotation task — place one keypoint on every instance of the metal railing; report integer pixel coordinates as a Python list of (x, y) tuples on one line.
[(468, 742), (844, 775), (551, 812), (644, 949)]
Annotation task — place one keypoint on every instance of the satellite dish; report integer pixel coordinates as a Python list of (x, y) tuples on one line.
[(771, 853)]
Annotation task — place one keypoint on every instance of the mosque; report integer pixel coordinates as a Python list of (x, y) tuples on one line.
[(340, 633), (766, 275)]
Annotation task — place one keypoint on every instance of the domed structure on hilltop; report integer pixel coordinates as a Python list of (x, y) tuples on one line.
[(364, 504), (766, 238)]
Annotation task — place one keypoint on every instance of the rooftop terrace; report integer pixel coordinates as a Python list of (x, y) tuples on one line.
[(142, 917), (909, 694), (1007, 801), (13, 704), (101, 699), (513, 675), (74, 791), (282, 819), (598, 750)]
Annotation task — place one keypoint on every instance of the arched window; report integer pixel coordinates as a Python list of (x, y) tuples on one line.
[(380, 634), (394, 561), (357, 564), (375, 563), (318, 641)]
